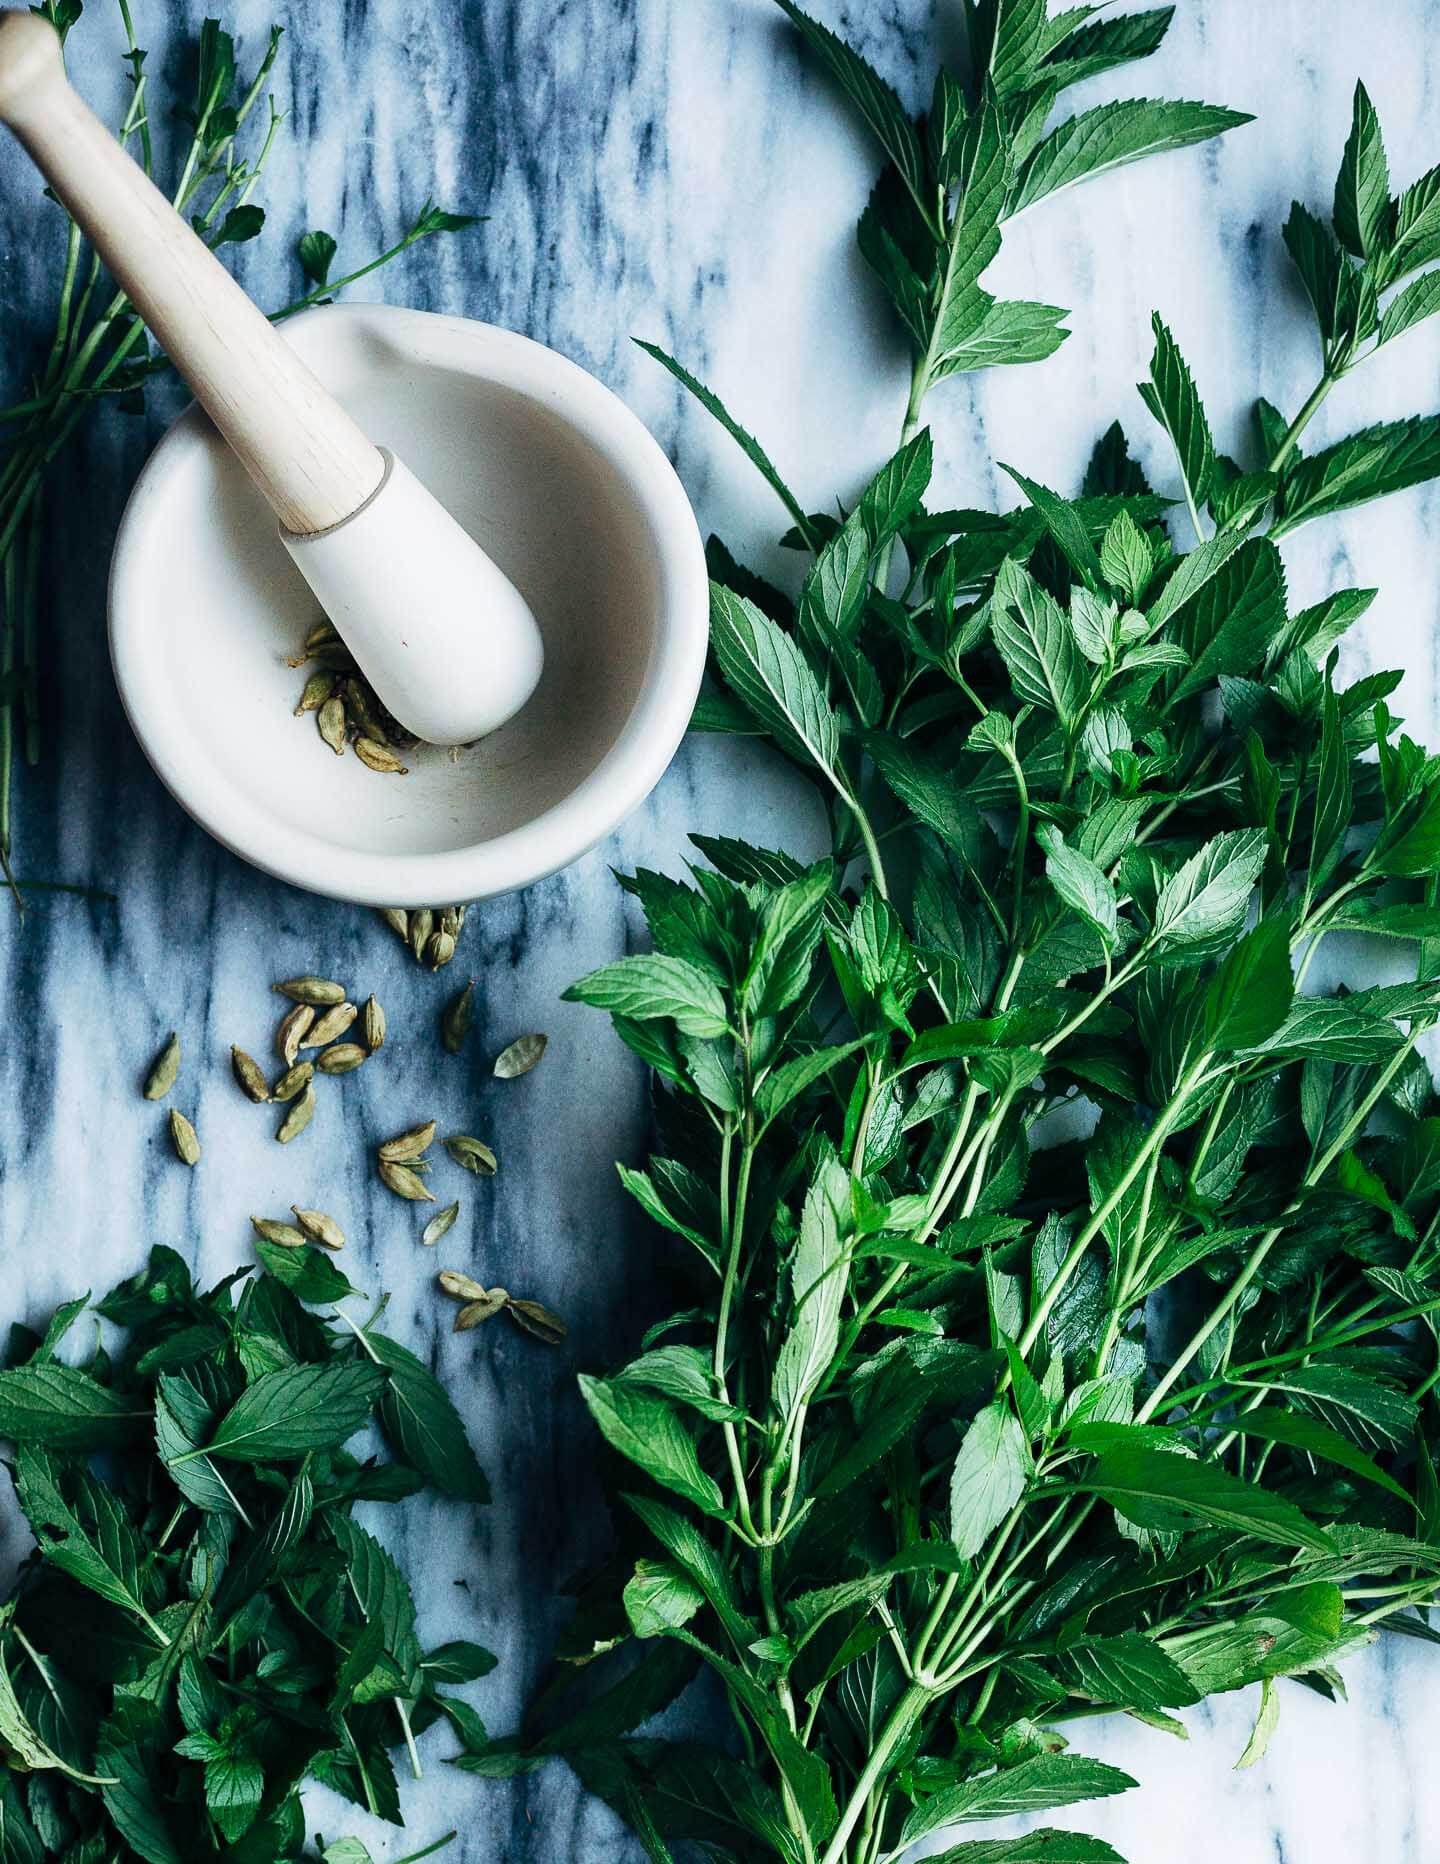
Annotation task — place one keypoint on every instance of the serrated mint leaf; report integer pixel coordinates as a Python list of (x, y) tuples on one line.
[(1249, 996), (1411, 305), (771, 675), (1004, 330), (1035, 641), (868, 91), (1370, 464), (1036, 1785), (894, 494), (817, 1290), (988, 1478), (1321, 265), (1113, 134), (1007, 39), (1126, 556), (659, 1598), (1173, 399), (1064, 523), (56, 1407), (1234, 618), (647, 1430), (1204, 903), (1158, 1490), (644, 988), (421, 1422), (1083, 886), (288, 1414), (1362, 188), (1102, 44)]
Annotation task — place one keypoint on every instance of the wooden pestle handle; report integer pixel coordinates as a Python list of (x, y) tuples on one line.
[(312, 462)]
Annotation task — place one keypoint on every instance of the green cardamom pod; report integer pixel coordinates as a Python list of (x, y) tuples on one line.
[(405, 1183), (316, 691), (422, 924), (164, 1069), (320, 1228), (520, 1057), (330, 722), (397, 919), (473, 1154), (249, 1076), (285, 1234), (474, 1312), (183, 1138), (329, 1024), (439, 950), (440, 1223), (534, 1319), (294, 1027), (319, 992), (460, 1287), (405, 1147), (377, 756), (294, 1081), (298, 1116), (342, 1058), (458, 1016), (374, 1017)]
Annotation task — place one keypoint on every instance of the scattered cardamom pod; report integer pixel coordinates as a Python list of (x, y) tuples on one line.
[(319, 992), (422, 924), (439, 949), (316, 691), (377, 756), (183, 1138), (374, 1019), (285, 1234), (249, 1076), (483, 1308), (458, 1016), (294, 1027), (520, 1057), (397, 919), (343, 1058), (538, 1321), (163, 1069), (294, 1081), (405, 1183), (441, 1222), (460, 1287), (298, 1117), (473, 1154), (330, 1024), (406, 1147), (330, 723), (320, 1228)]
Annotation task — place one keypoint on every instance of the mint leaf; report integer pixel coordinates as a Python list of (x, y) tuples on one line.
[(988, 1478), (1370, 464), (1362, 188), (650, 987), (644, 1428), (288, 1414), (868, 91), (1112, 134), (1171, 396)]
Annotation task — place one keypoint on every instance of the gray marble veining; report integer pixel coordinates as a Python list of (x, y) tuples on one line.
[(669, 169)]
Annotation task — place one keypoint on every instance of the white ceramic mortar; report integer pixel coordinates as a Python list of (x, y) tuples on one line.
[(561, 484)]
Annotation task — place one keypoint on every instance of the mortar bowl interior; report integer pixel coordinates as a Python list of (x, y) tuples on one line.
[(573, 499)]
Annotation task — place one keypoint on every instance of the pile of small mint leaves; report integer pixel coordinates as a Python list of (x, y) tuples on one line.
[(1062, 1328), (204, 1625)]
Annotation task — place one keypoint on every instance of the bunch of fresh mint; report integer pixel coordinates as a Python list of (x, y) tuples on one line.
[(204, 1625), (957, 1440)]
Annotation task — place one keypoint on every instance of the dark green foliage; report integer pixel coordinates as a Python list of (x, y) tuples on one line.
[(203, 1623), (910, 1473)]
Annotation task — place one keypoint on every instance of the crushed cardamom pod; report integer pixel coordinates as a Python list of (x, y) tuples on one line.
[(457, 1018), (460, 1287), (163, 1069), (285, 1234), (343, 1058), (440, 1223), (405, 1183), (319, 1227), (184, 1139), (374, 1024), (320, 992), (405, 1147), (484, 1308), (537, 1321), (520, 1057), (473, 1154), (294, 1081), (330, 1024), (294, 1027), (249, 1075), (298, 1117)]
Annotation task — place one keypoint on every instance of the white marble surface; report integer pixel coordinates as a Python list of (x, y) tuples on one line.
[(669, 169)]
